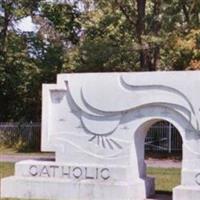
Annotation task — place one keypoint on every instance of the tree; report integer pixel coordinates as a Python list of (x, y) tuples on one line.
[(12, 52), (148, 26), (90, 36), (29, 59)]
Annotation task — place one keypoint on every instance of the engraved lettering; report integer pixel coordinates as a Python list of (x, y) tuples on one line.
[(86, 174), (105, 174), (97, 173), (197, 178), (53, 171), (33, 170), (54, 167), (67, 172), (44, 171), (77, 172)]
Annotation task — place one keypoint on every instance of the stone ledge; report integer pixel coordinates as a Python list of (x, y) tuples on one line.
[(186, 192), (59, 189)]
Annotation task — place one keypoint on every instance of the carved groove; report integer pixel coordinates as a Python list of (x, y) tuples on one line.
[(160, 87)]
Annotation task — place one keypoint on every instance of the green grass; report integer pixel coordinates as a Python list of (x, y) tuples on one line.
[(6, 150), (165, 179), (6, 169)]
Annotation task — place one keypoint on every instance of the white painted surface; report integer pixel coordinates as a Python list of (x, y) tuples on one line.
[(99, 121)]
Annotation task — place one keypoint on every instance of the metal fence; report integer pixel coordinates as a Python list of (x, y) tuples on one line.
[(21, 136), (162, 137)]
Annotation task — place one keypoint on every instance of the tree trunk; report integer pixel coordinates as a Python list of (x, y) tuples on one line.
[(4, 32), (140, 25), (156, 30), (156, 58), (185, 12), (145, 60)]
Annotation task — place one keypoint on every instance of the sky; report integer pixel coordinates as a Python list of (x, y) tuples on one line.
[(26, 25)]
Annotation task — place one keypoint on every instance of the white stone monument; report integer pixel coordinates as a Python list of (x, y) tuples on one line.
[(97, 123)]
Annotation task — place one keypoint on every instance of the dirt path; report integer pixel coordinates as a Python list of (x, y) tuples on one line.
[(163, 163)]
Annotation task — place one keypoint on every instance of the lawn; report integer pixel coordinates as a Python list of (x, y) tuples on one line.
[(6, 169), (165, 180), (6, 150)]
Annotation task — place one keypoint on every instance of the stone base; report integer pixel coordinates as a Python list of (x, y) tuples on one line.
[(60, 181), (186, 193), (42, 188)]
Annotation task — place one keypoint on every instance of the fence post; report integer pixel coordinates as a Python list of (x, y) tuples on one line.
[(170, 139)]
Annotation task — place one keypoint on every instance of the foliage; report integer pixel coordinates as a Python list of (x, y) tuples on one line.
[(90, 36), (140, 34), (28, 59)]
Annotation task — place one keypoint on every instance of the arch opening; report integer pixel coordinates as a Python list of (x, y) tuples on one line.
[(163, 156), (160, 155), (163, 141)]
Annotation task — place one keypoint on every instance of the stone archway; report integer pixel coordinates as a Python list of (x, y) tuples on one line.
[(96, 124), (189, 154)]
